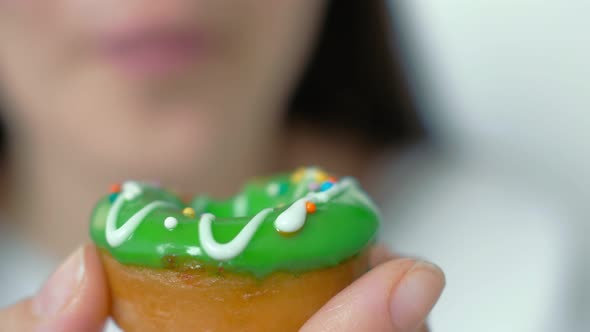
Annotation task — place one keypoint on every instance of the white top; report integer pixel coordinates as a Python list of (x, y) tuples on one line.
[(505, 246)]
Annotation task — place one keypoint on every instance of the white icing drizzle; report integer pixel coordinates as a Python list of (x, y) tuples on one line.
[(193, 251), (162, 248), (170, 223), (240, 206), (131, 190), (289, 221), (367, 201), (233, 248), (200, 203), (308, 174), (293, 218), (116, 236), (273, 189)]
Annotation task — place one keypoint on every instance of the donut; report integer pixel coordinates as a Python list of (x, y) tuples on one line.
[(265, 259)]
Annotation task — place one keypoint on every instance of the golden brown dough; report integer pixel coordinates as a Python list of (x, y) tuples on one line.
[(145, 299)]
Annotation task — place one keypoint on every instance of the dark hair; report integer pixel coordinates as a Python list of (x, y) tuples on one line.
[(355, 78), (3, 138)]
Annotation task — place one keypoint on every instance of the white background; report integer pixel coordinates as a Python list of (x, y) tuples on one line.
[(502, 204)]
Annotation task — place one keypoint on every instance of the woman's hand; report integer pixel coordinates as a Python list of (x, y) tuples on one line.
[(75, 298), (395, 296)]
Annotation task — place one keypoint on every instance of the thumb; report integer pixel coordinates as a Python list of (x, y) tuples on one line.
[(395, 296), (74, 298)]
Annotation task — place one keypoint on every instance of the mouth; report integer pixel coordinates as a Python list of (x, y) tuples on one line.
[(154, 51)]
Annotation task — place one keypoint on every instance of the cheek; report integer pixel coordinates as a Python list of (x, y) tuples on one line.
[(32, 44), (7, 5), (275, 41), (51, 90)]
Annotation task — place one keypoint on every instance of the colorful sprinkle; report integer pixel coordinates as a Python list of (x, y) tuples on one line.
[(321, 176), (310, 207), (326, 185), (170, 223), (332, 179), (115, 188), (298, 175), (313, 186), (113, 197), (189, 212)]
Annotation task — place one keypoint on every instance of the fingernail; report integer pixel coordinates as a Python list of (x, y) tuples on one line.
[(415, 295), (61, 287)]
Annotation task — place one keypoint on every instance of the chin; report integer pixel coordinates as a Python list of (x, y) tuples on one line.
[(153, 151)]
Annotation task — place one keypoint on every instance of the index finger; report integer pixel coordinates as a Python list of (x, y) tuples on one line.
[(395, 296)]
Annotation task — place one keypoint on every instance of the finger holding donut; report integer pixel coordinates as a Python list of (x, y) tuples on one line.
[(290, 250), (74, 298), (395, 296)]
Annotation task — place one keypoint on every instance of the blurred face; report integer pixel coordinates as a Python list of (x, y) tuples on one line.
[(151, 87)]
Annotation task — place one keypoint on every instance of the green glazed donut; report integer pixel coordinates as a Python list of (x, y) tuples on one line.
[(293, 222)]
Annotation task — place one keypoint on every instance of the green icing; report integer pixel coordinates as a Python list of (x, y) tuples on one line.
[(339, 229)]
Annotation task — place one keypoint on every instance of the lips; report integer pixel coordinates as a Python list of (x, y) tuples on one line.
[(155, 51)]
